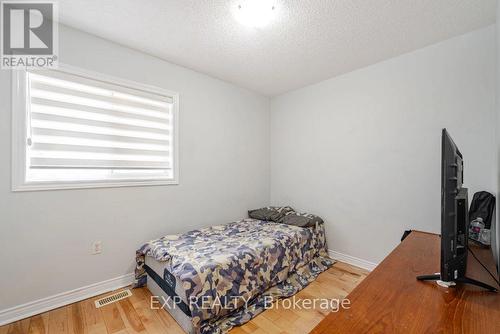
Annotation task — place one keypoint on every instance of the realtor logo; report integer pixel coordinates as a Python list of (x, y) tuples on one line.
[(29, 34)]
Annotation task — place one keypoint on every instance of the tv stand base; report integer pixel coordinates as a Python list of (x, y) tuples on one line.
[(464, 280)]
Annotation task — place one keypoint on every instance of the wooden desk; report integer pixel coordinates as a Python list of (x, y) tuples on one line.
[(391, 300)]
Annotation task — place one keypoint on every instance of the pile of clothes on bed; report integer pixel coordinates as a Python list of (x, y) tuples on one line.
[(230, 273)]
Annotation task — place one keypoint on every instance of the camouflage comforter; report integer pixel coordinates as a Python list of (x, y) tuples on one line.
[(230, 272)]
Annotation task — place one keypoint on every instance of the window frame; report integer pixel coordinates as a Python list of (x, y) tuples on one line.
[(19, 113)]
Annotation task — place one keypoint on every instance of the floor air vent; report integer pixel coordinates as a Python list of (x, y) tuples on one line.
[(113, 298)]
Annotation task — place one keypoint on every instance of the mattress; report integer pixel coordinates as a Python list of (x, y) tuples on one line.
[(223, 274), (165, 300)]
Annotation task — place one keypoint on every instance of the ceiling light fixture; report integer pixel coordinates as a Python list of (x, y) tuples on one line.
[(255, 13)]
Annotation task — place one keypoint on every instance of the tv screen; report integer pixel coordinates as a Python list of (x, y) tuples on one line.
[(454, 218)]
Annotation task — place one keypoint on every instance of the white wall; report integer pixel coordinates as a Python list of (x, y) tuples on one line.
[(363, 150), (45, 237)]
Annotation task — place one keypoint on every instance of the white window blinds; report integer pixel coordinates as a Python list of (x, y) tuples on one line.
[(88, 129)]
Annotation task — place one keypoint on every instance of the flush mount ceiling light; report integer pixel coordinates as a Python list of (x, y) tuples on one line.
[(255, 13)]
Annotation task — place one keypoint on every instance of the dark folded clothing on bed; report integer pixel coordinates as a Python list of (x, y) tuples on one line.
[(285, 215), (270, 213), (301, 219)]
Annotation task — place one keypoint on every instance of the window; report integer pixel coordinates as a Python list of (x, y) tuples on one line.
[(76, 129)]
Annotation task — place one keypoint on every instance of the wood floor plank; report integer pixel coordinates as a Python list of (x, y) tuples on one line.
[(271, 314), (143, 295), (58, 321), (238, 330), (130, 317), (39, 324), (149, 318), (249, 327), (169, 322), (259, 331), (4, 329), (139, 295), (286, 319), (112, 318), (92, 318), (19, 327), (76, 321), (266, 324)]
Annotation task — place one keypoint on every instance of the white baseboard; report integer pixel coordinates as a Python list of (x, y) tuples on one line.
[(355, 261), (61, 299)]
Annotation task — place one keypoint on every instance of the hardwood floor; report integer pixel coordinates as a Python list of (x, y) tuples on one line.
[(134, 315)]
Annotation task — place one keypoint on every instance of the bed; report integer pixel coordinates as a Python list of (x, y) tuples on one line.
[(215, 278)]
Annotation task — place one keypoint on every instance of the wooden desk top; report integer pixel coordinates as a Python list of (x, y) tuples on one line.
[(391, 300)]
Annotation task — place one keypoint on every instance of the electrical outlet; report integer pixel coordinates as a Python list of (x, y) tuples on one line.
[(96, 247)]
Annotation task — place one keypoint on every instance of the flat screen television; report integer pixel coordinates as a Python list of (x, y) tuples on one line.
[(454, 211), (454, 218)]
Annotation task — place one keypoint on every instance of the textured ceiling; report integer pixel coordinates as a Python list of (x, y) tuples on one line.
[(308, 40)]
